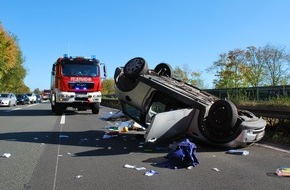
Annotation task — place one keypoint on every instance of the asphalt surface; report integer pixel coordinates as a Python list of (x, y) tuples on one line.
[(70, 152)]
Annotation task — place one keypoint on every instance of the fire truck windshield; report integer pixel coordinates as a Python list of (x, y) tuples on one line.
[(80, 70)]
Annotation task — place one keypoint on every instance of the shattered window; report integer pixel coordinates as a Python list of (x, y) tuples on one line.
[(130, 110)]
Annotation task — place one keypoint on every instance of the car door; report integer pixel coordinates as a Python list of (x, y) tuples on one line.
[(169, 124)]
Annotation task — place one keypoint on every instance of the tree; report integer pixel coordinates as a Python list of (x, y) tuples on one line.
[(230, 70), (37, 91), (275, 62), (12, 71), (108, 86), (187, 75), (256, 73)]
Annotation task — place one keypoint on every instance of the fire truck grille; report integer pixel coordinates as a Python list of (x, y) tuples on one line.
[(81, 85)]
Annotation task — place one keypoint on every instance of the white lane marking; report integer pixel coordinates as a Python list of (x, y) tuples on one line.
[(32, 105), (13, 109), (62, 120), (273, 148)]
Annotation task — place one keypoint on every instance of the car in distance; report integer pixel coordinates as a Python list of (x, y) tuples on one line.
[(169, 108), (22, 99), (8, 99), (32, 97), (38, 98)]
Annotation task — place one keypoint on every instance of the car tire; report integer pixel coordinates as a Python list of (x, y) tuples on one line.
[(164, 69), (222, 114), (135, 67), (122, 82), (221, 124)]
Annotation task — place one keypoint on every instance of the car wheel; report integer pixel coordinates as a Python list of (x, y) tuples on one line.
[(223, 113), (221, 122), (122, 82), (164, 69), (135, 67)]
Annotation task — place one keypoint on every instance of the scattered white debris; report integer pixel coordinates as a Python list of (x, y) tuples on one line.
[(215, 169), (151, 173), (140, 168), (238, 152), (189, 167), (128, 166), (6, 155), (63, 136), (79, 176)]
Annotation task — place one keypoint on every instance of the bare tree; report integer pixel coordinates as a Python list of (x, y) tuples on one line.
[(275, 61), (256, 73), (185, 74)]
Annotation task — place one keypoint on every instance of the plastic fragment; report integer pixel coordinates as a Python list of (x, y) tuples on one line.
[(6, 155), (79, 176), (140, 168), (151, 173), (283, 171), (63, 136), (215, 169), (189, 167), (128, 166), (238, 152)]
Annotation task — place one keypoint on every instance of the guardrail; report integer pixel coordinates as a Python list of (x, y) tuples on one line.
[(279, 112)]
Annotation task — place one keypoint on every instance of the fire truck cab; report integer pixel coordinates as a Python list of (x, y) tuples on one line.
[(76, 83)]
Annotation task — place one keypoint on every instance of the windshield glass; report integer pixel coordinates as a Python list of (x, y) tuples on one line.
[(80, 70), (4, 95)]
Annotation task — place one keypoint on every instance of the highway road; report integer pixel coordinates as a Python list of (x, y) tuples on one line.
[(69, 152)]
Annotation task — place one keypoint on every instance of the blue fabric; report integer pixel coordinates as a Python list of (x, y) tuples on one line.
[(183, 156)]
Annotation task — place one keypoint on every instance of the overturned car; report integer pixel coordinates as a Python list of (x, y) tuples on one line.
[(168, 108)]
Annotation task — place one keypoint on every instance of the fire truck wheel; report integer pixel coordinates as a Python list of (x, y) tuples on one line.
[(135, 67), (52, 108), (95, 108), (164, 69)]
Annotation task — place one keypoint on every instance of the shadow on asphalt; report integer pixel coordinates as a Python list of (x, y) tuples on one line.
[(114, 145)]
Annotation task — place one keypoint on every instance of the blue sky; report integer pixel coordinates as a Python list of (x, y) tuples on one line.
[(191, 32)]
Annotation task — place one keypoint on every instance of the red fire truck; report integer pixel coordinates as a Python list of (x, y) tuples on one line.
[(45, 94), (76, 83)]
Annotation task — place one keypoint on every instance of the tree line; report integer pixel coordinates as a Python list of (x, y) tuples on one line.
[(252, 67), (238, 68)]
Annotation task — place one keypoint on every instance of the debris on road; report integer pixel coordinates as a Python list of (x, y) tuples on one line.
[(283, 171), (134, 167), (79, 176), (216, 169), (113, 115), (63, 136), (238, 152), (6, 155), (151, 173), (182, 157), (128, 166)]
